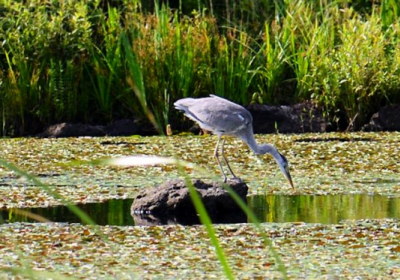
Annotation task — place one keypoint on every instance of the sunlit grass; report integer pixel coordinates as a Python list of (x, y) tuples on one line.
[(71, 65)]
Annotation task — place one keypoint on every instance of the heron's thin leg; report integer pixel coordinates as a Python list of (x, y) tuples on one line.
[(216, 156), (226, 161)]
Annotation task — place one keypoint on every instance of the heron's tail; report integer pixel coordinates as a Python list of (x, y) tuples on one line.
[(184, 106)]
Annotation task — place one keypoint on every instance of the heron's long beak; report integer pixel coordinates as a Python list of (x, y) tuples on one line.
[(287, 175)]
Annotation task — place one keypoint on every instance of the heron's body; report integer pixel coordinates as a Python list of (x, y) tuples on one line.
[(230, 119), (224, 117)]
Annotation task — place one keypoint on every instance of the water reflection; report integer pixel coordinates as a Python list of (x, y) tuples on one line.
[(274, 208), (232, 217), (111, 212), (326, 209)]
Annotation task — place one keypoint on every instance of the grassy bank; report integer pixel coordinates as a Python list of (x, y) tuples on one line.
[(85, 61)]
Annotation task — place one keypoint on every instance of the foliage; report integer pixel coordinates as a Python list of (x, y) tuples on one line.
[(72, 60)]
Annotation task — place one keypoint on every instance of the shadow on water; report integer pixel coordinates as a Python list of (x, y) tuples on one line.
[(330, 209), (335, 139)]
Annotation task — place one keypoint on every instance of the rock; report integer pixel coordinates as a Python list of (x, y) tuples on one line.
[(124, 127), (72, 130), (145, 128), (386, 119), (172, 198), (195, 129), (299, 118)]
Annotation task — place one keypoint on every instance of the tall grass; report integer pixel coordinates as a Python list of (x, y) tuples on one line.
[(105, 68), (64, 61), (356, 76), (39, 58)]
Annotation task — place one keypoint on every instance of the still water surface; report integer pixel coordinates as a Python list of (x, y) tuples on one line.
[(326, 209)]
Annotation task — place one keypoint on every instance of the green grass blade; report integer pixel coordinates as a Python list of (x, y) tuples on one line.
[(256, 223), (206, 221)]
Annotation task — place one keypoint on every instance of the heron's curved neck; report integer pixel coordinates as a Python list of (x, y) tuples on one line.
[(260, 149)]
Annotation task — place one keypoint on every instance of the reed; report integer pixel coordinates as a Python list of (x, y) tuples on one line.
[(66, 61), (354, 77)]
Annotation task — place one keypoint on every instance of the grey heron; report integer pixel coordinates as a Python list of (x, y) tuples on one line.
[(223, 117)]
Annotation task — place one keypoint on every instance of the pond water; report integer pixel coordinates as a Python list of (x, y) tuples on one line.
[(325, 209), (337, 176)]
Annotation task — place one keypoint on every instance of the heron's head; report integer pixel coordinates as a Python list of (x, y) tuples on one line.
[(284, 166)]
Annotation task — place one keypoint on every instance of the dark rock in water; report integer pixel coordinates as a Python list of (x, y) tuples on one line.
[(298, 118), (127, 127), (195, 129), (72, 130), (124, 127), (387, 119), (172, 199)]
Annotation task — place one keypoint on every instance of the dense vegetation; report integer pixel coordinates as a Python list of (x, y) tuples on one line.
[(90, 61)]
